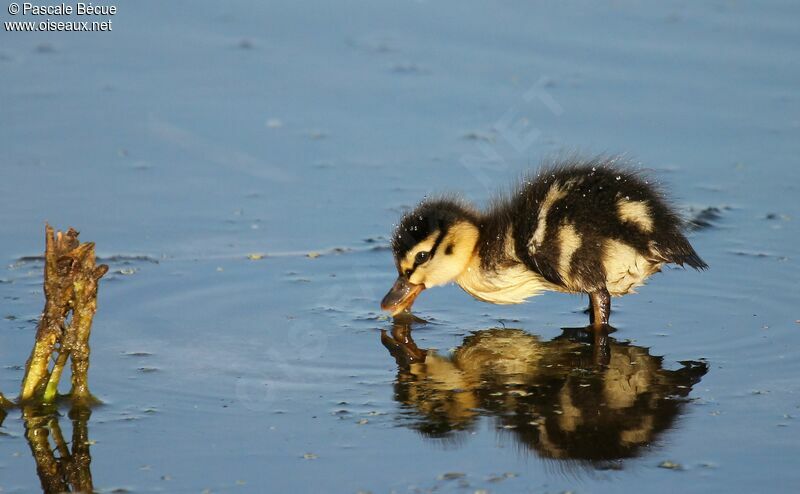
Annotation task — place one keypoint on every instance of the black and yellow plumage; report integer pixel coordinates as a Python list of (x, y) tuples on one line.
[(592, 226)]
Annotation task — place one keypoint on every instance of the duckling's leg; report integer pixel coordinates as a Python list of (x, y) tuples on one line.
[(600, 304)]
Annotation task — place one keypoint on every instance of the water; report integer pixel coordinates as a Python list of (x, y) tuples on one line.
[(196, 134)]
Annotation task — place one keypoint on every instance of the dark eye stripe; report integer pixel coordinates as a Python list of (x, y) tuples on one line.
[(436, 243), (439, 239)]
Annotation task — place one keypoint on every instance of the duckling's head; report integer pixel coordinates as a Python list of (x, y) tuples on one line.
[(432, 245)]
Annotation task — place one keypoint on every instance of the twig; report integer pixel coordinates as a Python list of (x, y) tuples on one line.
[(70, 285)]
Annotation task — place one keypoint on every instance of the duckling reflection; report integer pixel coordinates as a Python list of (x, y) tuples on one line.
[(60, 468), (564, 399)]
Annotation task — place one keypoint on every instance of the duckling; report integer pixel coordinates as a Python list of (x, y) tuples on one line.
[(590, 226)]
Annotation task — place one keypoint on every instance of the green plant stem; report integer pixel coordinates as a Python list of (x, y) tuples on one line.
[(51, 391)]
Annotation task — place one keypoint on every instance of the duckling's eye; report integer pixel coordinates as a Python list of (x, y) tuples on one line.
[(422, 256)]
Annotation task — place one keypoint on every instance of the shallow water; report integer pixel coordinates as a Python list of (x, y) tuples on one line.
[(196, 134)]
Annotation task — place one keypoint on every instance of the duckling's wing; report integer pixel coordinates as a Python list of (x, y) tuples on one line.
[(578, 211)]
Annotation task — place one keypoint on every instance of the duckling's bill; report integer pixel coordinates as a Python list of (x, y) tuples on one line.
[(401, 296)]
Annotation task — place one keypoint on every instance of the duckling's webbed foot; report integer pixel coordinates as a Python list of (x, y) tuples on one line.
[(600, 307)]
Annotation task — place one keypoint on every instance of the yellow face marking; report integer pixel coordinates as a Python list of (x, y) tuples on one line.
[(442, 267), (426, 245), (636, 212)]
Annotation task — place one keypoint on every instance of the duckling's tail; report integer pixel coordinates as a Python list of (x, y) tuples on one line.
[(678, 250), (693, 260)]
